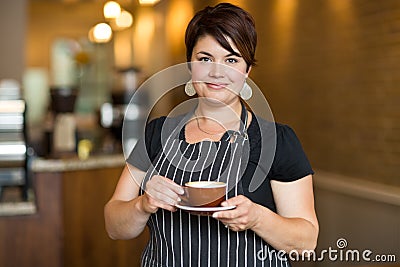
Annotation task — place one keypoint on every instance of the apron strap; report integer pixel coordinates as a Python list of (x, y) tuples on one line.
[(233, 135)]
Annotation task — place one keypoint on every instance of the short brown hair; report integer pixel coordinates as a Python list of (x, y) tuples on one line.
[(224, 20)]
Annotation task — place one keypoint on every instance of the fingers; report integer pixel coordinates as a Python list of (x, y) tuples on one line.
[(163, 193), (153, 205), (235, 201), (239, 202), (240, 218)]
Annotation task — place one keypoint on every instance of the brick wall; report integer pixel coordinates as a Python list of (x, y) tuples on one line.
[(331, 70)]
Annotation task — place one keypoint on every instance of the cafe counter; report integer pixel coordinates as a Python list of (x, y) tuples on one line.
[(64, 224)]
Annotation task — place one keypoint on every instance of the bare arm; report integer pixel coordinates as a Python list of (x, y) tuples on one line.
[(127, 213), (293, 227)]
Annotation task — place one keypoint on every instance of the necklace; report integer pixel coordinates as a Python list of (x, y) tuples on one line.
[(204, 131)]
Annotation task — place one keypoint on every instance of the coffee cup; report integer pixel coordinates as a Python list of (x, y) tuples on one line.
[(204, 194)]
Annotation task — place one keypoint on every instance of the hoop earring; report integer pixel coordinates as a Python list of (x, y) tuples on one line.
[(189, 89), (246, 92)]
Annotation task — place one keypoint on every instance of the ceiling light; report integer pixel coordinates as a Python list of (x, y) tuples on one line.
[(124, 20), (111, 10), (101, 33), (148, 2)]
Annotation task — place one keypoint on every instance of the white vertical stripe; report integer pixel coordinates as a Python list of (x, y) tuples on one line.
[(197, 160), (213, 162), (223, 159), (245, 248), (187, 161), (209, 241), (237, 247), (236, 193), (263, 247), (180, 235), (235, 172), (229, 248), (199, 254), (254, 249), (219, 243), (229, 232), (205, 160), (190, 241), (180, 160), (229, 171)]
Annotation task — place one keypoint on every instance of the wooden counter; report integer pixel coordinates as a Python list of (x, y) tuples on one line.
[(68, 226)]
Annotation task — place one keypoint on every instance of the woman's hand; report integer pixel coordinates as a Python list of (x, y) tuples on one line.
[(294, 227), (243, 217), (161, 192)]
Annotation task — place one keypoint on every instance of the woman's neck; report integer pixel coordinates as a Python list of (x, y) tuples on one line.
[(225, 115)]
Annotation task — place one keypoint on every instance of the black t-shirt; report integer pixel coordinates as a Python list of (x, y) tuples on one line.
[(283, 161)]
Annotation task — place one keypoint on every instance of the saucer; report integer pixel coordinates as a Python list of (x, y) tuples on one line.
[(204, 210)]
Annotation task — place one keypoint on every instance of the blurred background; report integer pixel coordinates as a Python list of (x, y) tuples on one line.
[(328, 68)]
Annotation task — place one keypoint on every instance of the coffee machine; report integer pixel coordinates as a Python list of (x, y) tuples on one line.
[(63, 139), (125, 116)]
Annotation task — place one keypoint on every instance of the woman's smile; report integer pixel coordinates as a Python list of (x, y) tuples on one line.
[(216, 86)]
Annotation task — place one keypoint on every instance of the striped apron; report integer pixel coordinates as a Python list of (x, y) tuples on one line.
[(184, 239)]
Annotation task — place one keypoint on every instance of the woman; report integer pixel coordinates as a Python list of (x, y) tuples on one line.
[(277, 217)]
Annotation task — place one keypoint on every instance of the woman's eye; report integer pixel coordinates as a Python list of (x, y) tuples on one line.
[(205, 59), (232, 60)]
